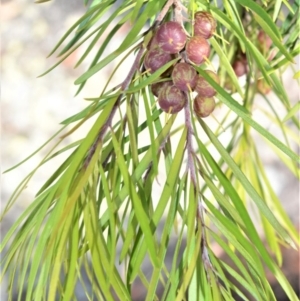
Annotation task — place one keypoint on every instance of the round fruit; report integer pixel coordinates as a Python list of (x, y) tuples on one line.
[(171, 99), (205, 24), (243, 58), (153, 43), (197, 50), (184, 76), (264, 41), (203, 87), (240, 68), (155, 59), (228, 85), (204, 106), (171, 37), (157, 87)]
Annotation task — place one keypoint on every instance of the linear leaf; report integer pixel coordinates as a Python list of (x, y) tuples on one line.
[(247, 185), (242, 112)]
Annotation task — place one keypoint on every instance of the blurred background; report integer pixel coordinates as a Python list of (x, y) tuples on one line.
[(32, 108)]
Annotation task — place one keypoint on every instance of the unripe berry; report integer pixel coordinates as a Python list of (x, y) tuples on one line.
[(203, 87), (203, 106), (263, 87), (155, 59), (184, 76), (171, 37), (157, 87), (228, 85), (197, 50), (205, 24), (171, 99)]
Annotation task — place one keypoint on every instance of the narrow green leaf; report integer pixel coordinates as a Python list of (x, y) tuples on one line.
[(194, 256), (137, 203), (297, 75), (77, 23), (163, 245), (93, 70), (149, 10), (262, 13), (136, 10), (165, 195), (71, 275), (96, 39), (150, 79), (242, 112), (227, 65), (267, 28), (294, 110), (151, 131), (246, 184)]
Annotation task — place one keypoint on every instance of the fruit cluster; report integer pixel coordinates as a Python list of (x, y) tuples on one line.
[(171, 41)]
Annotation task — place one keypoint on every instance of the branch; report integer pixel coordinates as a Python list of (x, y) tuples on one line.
[(189, 142), (124, 87), (192, 171)]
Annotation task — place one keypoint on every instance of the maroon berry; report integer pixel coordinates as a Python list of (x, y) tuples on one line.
[(240, 68), (264, 41), (157, 87), (205, 24), (204, 106), (184, 76), (243, 58), (203, 87), (155, 59), (171, 99), (171, 37), (153, 43), (197, 50)]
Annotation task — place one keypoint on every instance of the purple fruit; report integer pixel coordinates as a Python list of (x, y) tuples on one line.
[(197, 50), (155, 59), (203, 87), (240, 68), (184, 76), (204, 106), (153, 43), (171, 37), (171, 99), (158, 87), (205, 24)]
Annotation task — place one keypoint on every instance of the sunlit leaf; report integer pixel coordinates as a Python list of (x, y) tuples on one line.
[(146, 201)]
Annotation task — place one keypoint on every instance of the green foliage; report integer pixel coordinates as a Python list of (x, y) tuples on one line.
[(102, 211)]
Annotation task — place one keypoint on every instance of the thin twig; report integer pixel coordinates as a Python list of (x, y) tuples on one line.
[(178, 16), (178, 11), (124, 87), (149, 168), (164, 11), (192, 170), (189, 142)]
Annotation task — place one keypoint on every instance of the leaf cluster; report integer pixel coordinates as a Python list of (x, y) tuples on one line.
[(141, 179)]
